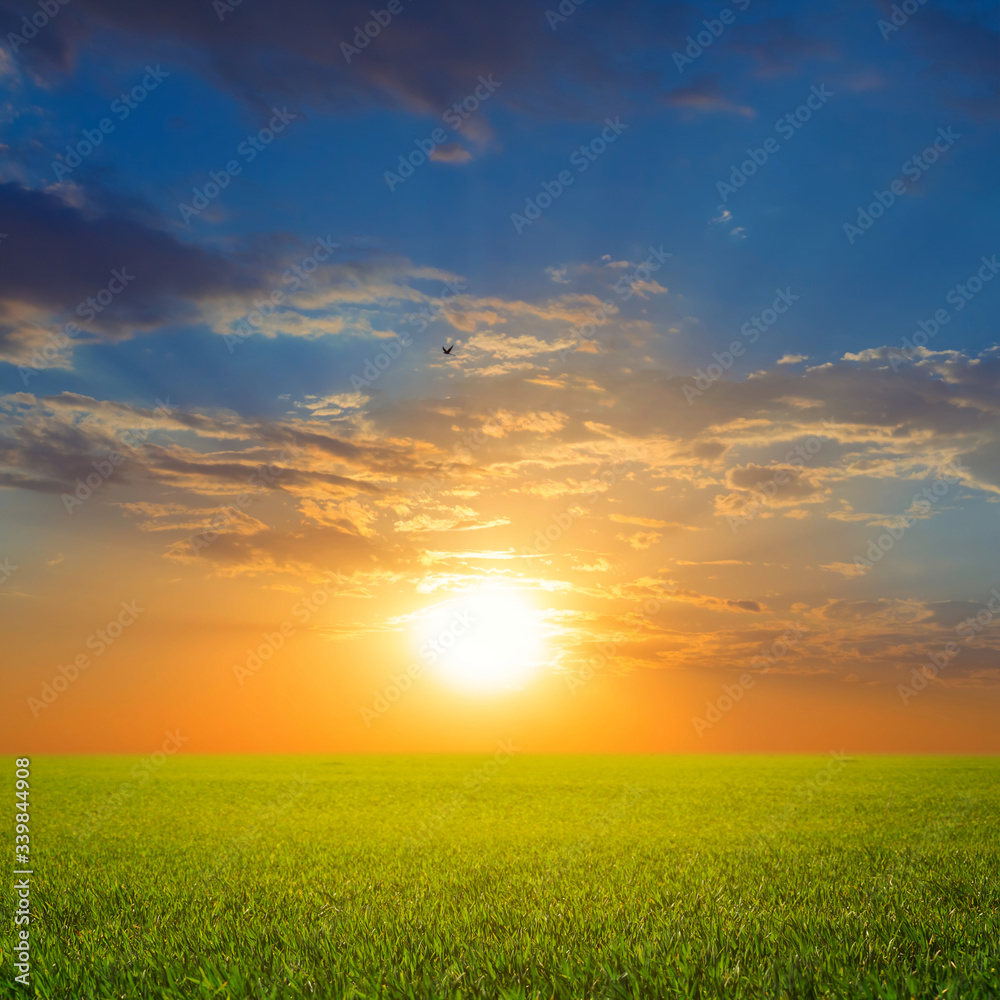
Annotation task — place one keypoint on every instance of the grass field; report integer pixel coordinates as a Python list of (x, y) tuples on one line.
[(542, 877)]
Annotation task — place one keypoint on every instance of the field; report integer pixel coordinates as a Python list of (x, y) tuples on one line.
[(513, 876)]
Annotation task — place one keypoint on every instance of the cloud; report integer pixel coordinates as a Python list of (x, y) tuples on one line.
[(713, 603), (949, 614), (107, 273), (308, 553), (48, 444), (422, 60), (712, 562), (648, 522), (346, 467), (884, 609), (779, 48), (960, 50), (782, 481), (845, 569), (113, 275), (450, 152), (705, 97), (458, 518), (641, 539)]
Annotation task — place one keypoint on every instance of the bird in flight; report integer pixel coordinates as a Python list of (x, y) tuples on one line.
[(448, 350)]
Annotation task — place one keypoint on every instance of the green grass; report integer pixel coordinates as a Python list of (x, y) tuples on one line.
[(559, 877)]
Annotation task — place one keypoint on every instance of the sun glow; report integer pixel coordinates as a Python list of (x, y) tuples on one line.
[(487, 641)]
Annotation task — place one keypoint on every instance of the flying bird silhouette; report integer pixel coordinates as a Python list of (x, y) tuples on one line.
[(448, 350)]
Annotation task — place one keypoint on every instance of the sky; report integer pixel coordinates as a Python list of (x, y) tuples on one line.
[(713, 464)]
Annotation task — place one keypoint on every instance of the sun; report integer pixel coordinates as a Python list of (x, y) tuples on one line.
[(484, 642)]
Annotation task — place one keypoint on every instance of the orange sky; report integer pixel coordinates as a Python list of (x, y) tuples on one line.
[(672, 677)]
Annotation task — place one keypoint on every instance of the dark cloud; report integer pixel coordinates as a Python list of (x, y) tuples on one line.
[(778, 46), (163, 464), (983, 463), (267, 551), (115, 274), (961, 52), (707, 449), (61, 256), (20, 481), (949, 614), (425, 57), (947, 396), (768, 478), (48, 444), (855, 610), (48, 456)]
